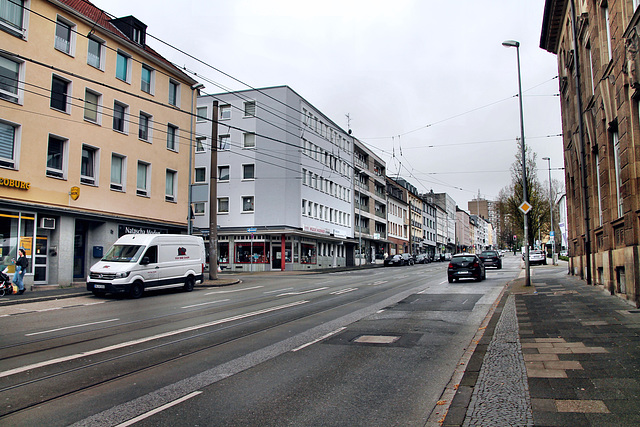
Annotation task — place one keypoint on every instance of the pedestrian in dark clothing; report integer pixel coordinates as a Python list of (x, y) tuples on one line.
[(21, 267)]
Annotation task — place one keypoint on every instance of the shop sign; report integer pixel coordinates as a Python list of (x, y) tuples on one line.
[(127, 229), (20, 185), (320, 230)]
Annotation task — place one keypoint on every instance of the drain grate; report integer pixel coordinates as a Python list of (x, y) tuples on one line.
[(376, 339)]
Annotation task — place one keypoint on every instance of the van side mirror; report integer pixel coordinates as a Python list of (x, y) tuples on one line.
[(144, 261)]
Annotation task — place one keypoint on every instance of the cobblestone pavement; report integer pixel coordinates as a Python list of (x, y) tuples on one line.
[(501, 395)]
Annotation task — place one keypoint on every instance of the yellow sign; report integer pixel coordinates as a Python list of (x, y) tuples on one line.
[(20, 185), (26, 243), (525, 207), (74, 193)]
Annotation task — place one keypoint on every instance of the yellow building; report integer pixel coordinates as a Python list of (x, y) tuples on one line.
[(95, 130)]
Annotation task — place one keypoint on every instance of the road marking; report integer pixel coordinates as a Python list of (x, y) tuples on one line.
[(319, 339), (234, 290), (303, 292), (344, 291), (70, 327), (278, 290), (379, 282), (146, 339), (206, 303), (158, 409)]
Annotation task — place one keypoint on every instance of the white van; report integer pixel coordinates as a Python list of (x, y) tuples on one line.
[(139, 262)]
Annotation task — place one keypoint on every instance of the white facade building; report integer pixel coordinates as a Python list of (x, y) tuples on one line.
[(284, 182)]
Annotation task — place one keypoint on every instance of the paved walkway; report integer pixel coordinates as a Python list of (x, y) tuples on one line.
[(559, 353)]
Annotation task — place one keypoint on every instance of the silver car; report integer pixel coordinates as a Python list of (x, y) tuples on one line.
[(537, 257)]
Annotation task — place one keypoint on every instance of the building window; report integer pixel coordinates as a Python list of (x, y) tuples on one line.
[(9, 137), (607, 23), (223, 173), (247, 204), (12, 16), (92, 102), (250, 109), (172, 137), (201, 175), (198, 208), (147, 79), (65, 36), (597, 160), (223, 205), (120, 113), (174, 93), (123, 67), (201, 114), (142, 179), (249, 140), (170, 186), (224, 142), (225, 112), (56, 155), (89, 165), (144, 127), (10, 79), (307, 253), (248, 172), (200, 140), (618, 171), (118, 166), (95, 53), (60, 90)]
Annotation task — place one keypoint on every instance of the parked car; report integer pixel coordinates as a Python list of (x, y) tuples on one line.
[(422, 259), (408, 259), (491, 259), (393, 260), (466, 266), (537, 257)]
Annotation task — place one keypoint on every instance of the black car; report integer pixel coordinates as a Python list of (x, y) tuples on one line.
[(394, 260), (408, 259), (466, 266), (422, 259), (491, 259)]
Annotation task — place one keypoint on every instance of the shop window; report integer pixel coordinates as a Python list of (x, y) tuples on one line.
[(308, 253), (244, 254), (223, 253), (16, 231)]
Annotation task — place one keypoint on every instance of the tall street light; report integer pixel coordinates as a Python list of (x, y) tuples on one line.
[(513, 43), (551, 234)]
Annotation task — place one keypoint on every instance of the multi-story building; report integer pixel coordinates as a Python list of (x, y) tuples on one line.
[(370, 204), (429, 228), (481, 232), (284, 182), (415, 204), (598, 51), (397, 217), (94, 136), (446, 203), (463, 236)]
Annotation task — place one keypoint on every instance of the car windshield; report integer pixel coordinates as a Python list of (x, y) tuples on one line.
[(124, 253), (461, 259), (489, 253)]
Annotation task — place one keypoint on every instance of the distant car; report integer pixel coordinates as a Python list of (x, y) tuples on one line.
[(491, 259), (564, 253), (466, 266), (408, 259), (537, 257), (394, 260), (422, 259), (447, 256)]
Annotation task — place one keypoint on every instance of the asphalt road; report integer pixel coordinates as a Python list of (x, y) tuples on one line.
[(368, 347)]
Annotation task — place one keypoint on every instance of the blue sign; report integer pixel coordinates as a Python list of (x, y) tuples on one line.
[(251, 230), (552, 234)]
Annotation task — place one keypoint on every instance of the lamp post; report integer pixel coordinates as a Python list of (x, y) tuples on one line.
[(516, 44), (551, 234)]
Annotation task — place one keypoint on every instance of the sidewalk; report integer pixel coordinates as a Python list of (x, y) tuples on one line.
[(45, 293), (558, 353)]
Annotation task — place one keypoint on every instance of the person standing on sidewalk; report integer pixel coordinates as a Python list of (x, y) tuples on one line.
[(21, 267)]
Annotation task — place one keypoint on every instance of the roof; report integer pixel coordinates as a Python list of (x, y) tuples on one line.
[(554, 15), (102, 19)]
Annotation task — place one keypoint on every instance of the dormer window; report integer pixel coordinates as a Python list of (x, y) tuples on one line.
[(134, 29)]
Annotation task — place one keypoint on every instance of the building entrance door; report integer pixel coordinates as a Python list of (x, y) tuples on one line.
[(41, 260), (79, 250), (276, 259)]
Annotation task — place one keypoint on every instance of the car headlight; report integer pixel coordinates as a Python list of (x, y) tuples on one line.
[(122, 274)]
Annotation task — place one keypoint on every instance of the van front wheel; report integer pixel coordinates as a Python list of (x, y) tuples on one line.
[(189, 284), (136, 290)]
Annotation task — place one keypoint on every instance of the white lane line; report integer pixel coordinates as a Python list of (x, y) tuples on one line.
[(143, 340), (158, 409), (234, 290), (379, 282), (69, 327), (206, 303), (278, 290), (326, 282), (303, 292), (319, 339), (344, 291)]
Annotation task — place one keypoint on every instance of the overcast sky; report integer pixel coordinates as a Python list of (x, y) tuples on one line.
[(427, 84)]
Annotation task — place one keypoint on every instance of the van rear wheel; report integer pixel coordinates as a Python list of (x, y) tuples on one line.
[(189, 283), (136, 290)]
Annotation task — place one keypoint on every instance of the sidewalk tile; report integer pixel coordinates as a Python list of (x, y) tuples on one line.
[(539, 357), (562, 364), (546, 373), (582, 406)]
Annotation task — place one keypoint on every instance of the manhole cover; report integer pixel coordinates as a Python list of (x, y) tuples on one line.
[(377, 339)]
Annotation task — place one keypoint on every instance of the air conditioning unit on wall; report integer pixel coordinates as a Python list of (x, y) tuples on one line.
[(48, 223)]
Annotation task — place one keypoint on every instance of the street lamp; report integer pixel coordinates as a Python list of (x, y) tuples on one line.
[(516, 44), (551, 234)]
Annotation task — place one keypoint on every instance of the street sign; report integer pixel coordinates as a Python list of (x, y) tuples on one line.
[(525, 207), (553, 233), (251, 230)]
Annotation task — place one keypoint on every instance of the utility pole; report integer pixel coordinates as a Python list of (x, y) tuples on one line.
[(213, 196)]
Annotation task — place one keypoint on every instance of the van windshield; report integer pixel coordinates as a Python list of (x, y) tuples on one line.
[(124, 253)]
